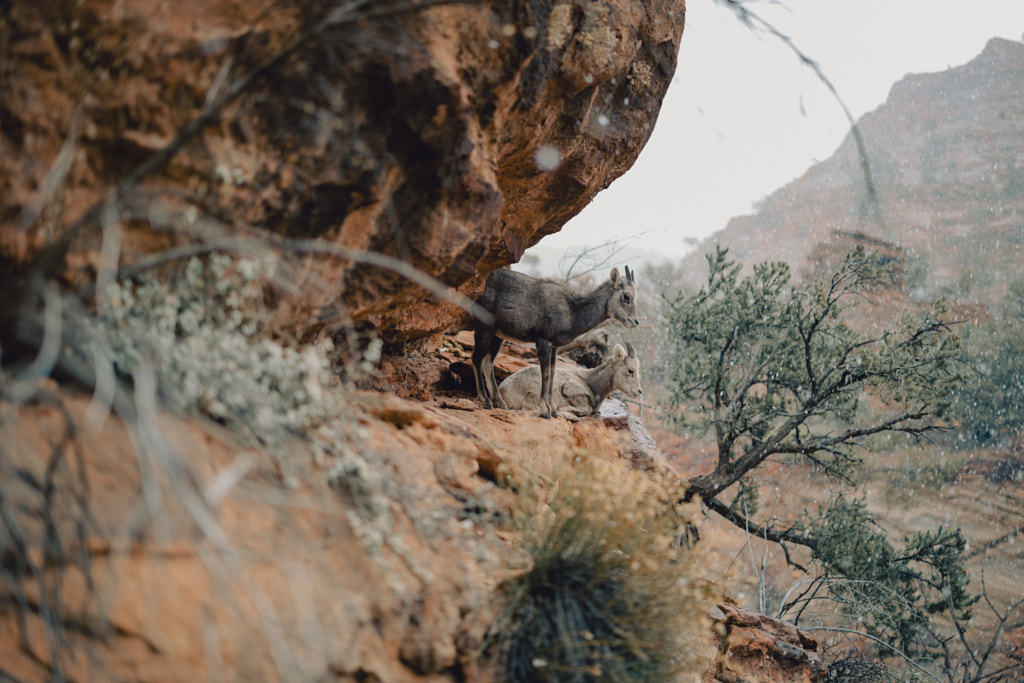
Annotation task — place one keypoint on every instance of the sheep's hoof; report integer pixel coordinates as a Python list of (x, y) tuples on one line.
[(546, 416)]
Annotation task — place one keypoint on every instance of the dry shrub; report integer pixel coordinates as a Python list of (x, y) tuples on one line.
[(855, 666), (613, 593)]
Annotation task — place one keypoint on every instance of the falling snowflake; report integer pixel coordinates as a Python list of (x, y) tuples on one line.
[(548, 158)]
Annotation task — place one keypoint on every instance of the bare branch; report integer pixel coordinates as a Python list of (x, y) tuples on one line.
[(895, 651), (26, 381), (413, 274), (791, 535), (53, 254), (615, 246), (752, 18)]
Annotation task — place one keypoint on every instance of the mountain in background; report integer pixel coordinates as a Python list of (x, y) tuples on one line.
[(946, 153)]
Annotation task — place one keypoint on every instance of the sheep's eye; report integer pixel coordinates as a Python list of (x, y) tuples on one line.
[(625, 298), (630, 373)]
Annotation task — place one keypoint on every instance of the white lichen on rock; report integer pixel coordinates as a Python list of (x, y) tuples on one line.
[(560, 25), (597, 37), (639, 77), (200, 334)]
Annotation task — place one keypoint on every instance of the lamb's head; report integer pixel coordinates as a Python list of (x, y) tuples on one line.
[(622, 303), (627, 370)]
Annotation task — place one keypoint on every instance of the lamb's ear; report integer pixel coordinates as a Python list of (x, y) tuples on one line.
[(618, 353), (615, 275)]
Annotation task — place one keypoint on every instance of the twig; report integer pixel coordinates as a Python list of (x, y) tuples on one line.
[(897, 651), (761, 592), (413, 274), (53, 255), (55, 176), (26, 381), (752, 18)]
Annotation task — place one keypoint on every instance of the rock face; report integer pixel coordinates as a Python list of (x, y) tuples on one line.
[(760, 648), (451, 136), (947, 161), (376, 567), (379, 562)]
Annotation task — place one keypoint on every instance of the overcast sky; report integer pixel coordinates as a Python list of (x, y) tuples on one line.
[(743, 117)]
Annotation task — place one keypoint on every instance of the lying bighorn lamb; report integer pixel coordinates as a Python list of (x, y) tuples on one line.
[(577, 391), (548, 313)]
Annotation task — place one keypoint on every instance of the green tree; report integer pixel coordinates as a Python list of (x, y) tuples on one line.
[(772, 370), (893, 592), (990, 404)]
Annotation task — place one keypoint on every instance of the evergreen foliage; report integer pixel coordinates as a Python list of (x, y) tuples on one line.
[(770, 369), (894, 593), (990, 404)]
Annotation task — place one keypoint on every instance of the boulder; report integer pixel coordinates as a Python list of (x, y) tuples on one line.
[(450, 136)]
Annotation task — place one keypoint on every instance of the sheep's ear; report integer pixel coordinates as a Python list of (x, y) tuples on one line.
[(615, 275), (619, 353)]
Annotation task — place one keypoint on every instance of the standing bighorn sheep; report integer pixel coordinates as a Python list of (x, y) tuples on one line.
[(577, 392), (548, 313)]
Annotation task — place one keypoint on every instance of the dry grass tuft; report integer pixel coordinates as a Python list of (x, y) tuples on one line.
[(613, 593)]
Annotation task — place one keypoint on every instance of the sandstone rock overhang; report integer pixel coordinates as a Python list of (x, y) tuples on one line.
[(450, 135)]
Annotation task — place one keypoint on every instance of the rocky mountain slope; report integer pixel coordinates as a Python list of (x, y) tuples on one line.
[(947, 164), (380, 559), (946, 154), (191, 486)]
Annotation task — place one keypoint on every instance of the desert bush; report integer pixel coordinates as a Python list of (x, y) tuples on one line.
[(855, 666), (774, 371), (771, 369), (990, 404), (893, 592), (612, 593)]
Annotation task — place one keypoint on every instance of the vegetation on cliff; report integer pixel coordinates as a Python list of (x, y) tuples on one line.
[(777, 373), (614, 590)]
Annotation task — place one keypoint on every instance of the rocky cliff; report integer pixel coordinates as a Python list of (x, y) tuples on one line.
[(947, 165), (187, 491), (449, 135), (383, 560)]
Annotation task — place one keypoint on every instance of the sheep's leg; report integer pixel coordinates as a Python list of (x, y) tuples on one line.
[(492, 383), (552, 357), (580, 410), (482, 340), (546, 355)]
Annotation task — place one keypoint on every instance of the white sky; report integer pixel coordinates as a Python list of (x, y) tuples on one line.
[(743, 117)]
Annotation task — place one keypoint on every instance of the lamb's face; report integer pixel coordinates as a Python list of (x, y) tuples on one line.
[(627, 372)]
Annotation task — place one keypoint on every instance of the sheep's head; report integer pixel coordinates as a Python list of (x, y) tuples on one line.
[(622, 304), (627, 370)]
